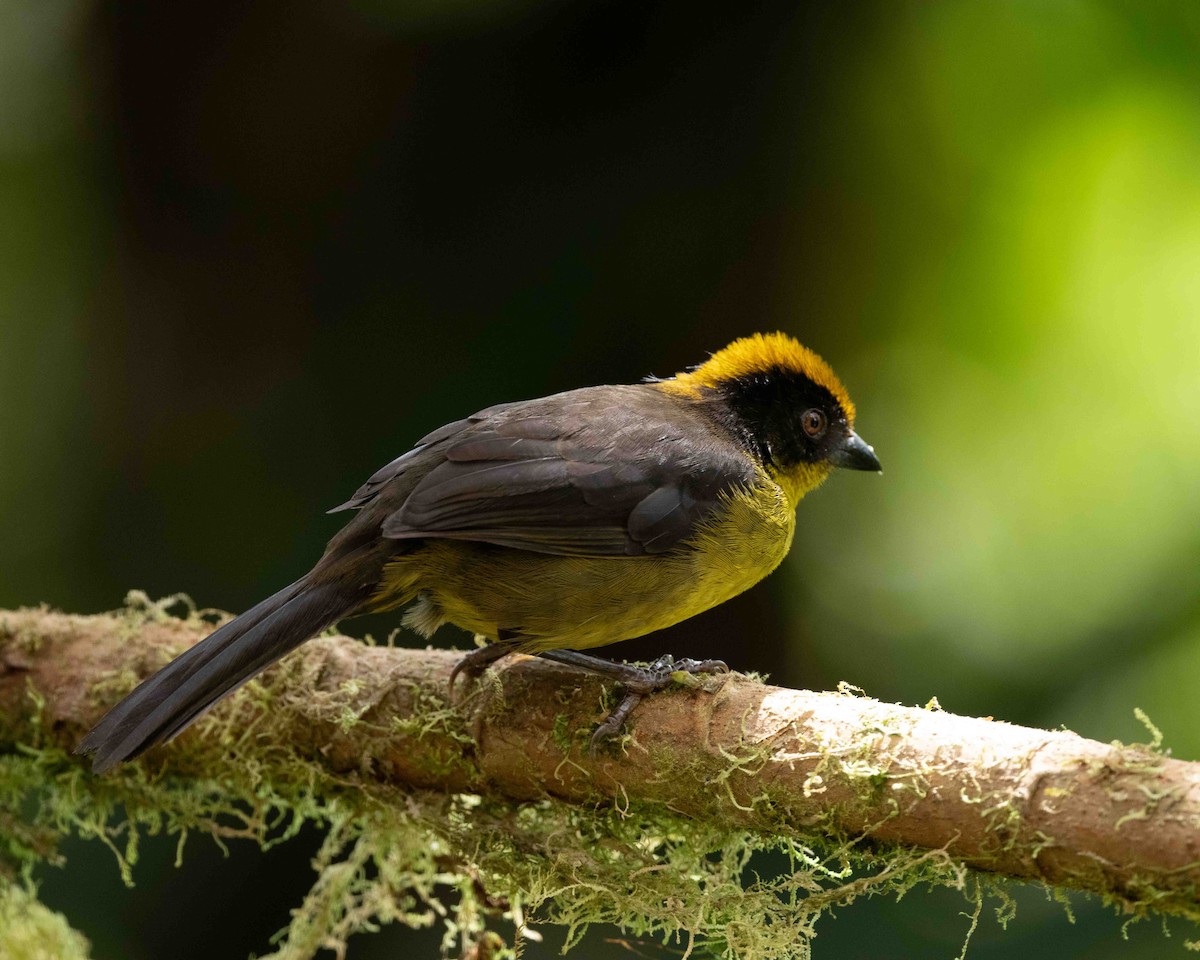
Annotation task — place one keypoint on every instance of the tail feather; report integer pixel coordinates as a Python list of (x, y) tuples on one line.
[(170, 700)]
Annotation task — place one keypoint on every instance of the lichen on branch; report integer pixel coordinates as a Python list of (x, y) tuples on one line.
[(487, 811)]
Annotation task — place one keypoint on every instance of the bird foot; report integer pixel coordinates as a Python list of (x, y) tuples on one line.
[(475, 662), (636, 681)]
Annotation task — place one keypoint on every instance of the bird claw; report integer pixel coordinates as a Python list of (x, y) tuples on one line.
[(475, 662), (613, 723), (639, 682)]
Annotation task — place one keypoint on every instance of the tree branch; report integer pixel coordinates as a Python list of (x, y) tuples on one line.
[(1122, 821)]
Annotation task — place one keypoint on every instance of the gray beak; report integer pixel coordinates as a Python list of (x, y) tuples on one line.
[(854, 453)]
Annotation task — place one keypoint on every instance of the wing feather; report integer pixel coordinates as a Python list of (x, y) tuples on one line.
[(608, 471)]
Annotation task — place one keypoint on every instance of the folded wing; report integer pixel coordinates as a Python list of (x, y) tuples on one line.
[(612, 471)]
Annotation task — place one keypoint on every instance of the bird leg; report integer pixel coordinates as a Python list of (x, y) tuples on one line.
[(636, 681), (475, 662)]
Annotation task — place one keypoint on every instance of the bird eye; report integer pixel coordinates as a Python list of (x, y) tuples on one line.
[(813, 422)]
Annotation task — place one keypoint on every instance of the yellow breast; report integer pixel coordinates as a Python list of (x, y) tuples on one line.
[(581, 602), (742, 543)]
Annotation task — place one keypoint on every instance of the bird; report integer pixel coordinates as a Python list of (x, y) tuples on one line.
[(551, 527)]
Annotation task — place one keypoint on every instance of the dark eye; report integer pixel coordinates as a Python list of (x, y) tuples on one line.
[(813, 422)]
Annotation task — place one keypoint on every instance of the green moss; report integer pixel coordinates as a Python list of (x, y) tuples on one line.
[(472, 864), (461, 861), (30, 931), (24, 639)]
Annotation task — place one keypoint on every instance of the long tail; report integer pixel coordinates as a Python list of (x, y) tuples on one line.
[(163, 705)]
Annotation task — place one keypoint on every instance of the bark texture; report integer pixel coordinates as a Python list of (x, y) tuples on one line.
[(1122, 821)]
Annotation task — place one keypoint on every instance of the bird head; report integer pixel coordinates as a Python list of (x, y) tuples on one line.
[(786, 404)]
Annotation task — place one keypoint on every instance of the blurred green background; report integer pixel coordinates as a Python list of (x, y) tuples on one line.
[(251, 252)]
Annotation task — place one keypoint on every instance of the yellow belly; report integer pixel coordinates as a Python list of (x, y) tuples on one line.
[(580, 602)]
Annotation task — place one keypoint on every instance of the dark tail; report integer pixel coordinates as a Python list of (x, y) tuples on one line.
[(180, 692)]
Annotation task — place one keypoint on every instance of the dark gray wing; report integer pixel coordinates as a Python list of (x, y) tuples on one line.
[(610, 471)]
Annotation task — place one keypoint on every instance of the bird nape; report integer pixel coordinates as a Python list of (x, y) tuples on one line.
[(549, 527)]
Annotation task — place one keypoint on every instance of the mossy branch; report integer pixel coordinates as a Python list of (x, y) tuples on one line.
[(729, 754)]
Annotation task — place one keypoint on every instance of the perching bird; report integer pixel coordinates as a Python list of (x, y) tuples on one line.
[(551, 526)]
